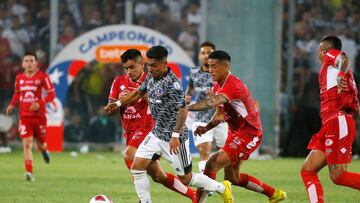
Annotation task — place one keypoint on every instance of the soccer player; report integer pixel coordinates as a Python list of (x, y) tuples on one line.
[(235, 105), (201, 84), (137, 120), (169, 137), (332, 145), (32, 114)]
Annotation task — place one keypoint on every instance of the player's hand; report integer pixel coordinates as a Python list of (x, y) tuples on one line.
[(110, 108), (34, 106), (200, 130), (123, 94), (187, 99), (174, 145), (9, 109), (342, 84)]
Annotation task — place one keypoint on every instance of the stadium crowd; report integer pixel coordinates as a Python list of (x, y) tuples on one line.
[(24, 26)]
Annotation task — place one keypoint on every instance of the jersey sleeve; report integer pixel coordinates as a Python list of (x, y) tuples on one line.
[(143, 87), (16, 97), (114, 91), (49, 87)]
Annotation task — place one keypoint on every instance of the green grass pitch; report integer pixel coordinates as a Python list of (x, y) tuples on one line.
[(77, 179)]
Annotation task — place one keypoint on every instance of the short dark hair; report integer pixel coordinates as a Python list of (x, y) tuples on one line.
[(30, 54), (157, 52), (333, 40), (220, 55), (208, 44), (130, 54)]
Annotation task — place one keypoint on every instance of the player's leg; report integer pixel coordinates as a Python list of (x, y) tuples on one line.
[(252, 183), (313, 163), (203, 144), (28, 157), (26, 134), (129, 155), (340, 148), (182, 164), (169, 180), (204, 152), (340, 176), (40, 135), (146, 152)]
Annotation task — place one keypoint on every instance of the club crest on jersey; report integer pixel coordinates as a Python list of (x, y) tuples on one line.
[(37, 82), (21, 82), (159, 91), (328, 142)]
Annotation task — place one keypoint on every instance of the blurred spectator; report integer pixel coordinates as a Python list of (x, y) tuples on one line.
[(102, 128), (5, 125), (75, 131), (188, 40), (17, 36)]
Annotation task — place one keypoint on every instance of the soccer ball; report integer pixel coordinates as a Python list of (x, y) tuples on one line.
[(101, 199)]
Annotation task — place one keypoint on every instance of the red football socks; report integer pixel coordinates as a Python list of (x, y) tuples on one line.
[(313, 186), (348, 179), (173, 183), (251, 183), (28, 166)]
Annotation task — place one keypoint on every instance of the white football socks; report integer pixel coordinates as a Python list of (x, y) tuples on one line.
[(201, 165), (202, 181), (142, 185)]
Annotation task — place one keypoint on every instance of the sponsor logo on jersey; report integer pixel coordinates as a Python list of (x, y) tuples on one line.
[(130, 109), (132, 116), (343, 150), (28, 87), (21, 82)]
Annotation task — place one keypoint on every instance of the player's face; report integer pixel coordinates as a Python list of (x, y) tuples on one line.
[(203, 55), (29, 63), (156, 68), (321, 51), (134, 69), (217, 69)]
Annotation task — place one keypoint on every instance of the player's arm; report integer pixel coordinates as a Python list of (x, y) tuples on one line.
[(128, 99), (15, 99), (210, 103), (189, 92), (180, 122), (217, 118), (343, 63)]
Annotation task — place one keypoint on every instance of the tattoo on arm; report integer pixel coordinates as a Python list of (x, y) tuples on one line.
[(131, 97), (209, 103), (180, 120)]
